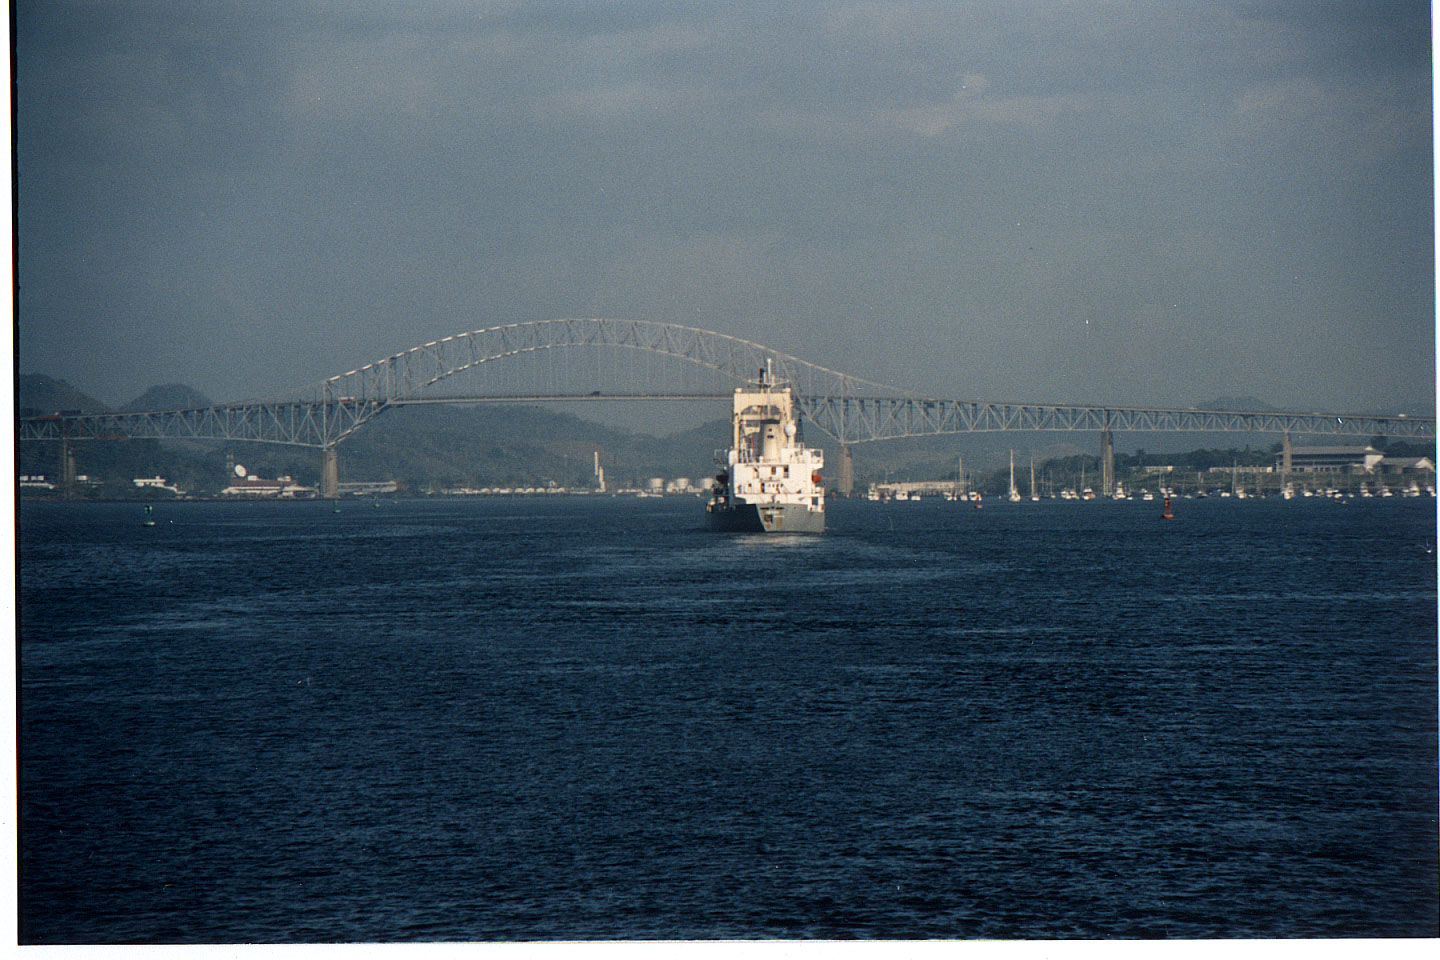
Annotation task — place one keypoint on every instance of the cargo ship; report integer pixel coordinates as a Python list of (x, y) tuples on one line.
[(770, 482)]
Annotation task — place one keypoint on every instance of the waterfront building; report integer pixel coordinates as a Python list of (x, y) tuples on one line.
[(1331, 459), (1419, 466), (280, 487), (156, 483)]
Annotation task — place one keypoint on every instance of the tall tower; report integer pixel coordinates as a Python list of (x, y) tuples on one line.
[(1107, 463)]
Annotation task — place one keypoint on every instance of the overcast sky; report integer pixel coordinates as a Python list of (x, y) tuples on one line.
[(1146, 203)]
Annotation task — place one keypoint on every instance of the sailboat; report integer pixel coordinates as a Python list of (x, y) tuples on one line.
[(1033, 495), (149, 520), (1014, 494)]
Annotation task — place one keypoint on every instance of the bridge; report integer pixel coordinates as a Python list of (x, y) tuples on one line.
[(462, 369)]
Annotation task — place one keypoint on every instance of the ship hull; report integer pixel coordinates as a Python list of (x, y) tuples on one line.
[(779, 518)]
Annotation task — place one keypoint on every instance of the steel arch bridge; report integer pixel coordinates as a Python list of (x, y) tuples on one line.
[(849, 409)]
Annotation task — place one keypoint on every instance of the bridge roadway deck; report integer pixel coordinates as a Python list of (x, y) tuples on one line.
[(847, 419)]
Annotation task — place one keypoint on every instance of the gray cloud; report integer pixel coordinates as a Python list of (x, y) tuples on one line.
[(1132, 202)]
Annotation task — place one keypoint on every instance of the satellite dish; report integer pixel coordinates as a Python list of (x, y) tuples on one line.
[(239, 470)]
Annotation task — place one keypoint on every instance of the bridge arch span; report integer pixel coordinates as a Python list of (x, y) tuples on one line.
[(406, 376)]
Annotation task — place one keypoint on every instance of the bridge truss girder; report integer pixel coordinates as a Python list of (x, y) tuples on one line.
[(853, 420), (849, 420), (305, 424)]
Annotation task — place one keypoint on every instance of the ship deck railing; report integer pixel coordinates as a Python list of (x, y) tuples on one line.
[(722, 457)]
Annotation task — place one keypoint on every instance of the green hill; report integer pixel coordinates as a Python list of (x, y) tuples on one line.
[(39, 395), (170, 396), (510, 445)]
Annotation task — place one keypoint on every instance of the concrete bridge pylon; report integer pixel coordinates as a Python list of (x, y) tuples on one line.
[(1107, 463), (67, 468), (846, 485), (330, 473)]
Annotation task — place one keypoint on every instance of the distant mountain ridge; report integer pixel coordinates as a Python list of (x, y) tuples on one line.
[(169, 396), (492, 445), (39, 395), (440, 445)]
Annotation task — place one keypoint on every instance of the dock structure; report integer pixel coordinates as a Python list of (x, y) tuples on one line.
[(917, 489)]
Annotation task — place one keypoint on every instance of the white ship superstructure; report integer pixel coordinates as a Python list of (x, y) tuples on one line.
[(771, 481)]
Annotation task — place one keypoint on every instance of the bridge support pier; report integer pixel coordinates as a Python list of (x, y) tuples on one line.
[(1107, 463), (67, 468), (847, 472), (330, 473)]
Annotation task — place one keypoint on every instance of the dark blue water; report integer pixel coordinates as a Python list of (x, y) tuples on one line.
[(573, 719)]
